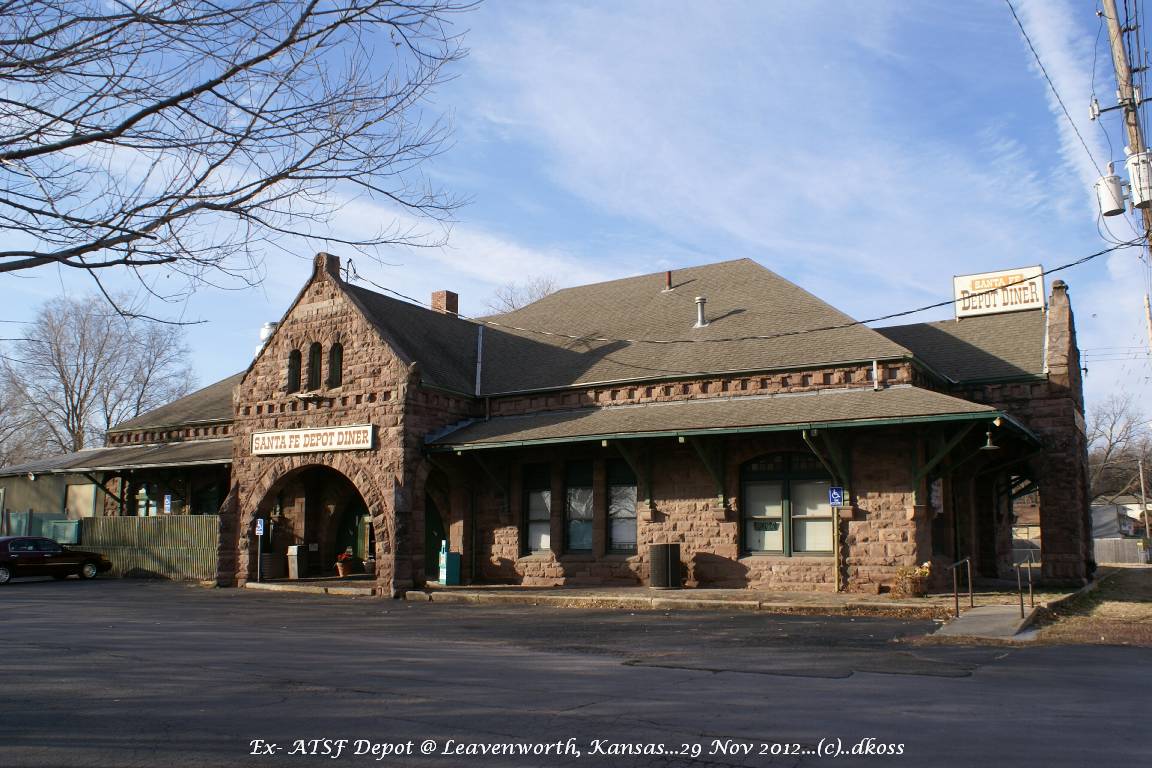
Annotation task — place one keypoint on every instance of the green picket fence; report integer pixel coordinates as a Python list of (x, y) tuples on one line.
[(177, 547)]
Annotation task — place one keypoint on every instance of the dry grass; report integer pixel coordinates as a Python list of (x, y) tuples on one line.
[(1118, 612)]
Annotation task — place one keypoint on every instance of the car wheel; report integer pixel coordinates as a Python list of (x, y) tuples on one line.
[(89, 570), (5, 574)]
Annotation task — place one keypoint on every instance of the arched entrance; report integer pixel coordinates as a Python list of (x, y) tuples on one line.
[(319, 509)]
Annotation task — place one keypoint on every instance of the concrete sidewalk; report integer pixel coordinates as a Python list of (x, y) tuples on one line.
[(996, 615)]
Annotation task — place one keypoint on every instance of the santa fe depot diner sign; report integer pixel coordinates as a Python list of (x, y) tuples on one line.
[(992, 292), (356, 437)]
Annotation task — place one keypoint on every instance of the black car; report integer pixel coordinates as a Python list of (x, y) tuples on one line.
[(37, 556)]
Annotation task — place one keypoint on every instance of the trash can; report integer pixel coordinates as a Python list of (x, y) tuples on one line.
[(297, 561), (665, 566)]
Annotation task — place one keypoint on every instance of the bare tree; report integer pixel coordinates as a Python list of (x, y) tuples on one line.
[(1118, 437), (20, 440), (512, 296), (81, 368), (186, 134)]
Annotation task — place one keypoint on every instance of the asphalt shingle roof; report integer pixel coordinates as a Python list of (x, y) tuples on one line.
[(986, 347), (212, 403), (860, 406), (743, 299), (444, 345), (215, 451)]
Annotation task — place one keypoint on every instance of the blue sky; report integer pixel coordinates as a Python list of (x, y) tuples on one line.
[(866, 151)]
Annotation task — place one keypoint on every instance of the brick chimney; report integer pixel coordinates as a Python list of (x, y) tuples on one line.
[(446, 303), (1063, 355)]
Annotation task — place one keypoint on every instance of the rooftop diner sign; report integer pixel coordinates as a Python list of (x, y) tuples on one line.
[(356, 437), (992, 292)]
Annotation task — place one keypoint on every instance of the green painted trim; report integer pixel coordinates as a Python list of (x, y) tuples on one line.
[(985, 416)]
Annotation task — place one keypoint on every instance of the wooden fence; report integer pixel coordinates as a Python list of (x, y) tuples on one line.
[(1119, 551), (176, 547)]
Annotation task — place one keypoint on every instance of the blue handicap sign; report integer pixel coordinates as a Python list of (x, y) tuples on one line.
[(836, 496), (259, 526)]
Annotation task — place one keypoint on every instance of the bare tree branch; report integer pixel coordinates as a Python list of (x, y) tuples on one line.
[(183, 135), (80, 369), (513, 296)]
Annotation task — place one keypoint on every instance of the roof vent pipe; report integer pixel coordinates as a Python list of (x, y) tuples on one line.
[(701, 321), (667, 281)]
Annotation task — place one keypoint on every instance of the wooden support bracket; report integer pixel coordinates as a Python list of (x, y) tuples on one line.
[(640, 460), (711, 453)]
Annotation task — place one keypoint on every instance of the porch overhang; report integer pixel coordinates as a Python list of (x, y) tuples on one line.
[(751, 414)]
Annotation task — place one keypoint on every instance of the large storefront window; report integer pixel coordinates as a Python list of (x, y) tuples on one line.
[(784, 505), (621, 507), (578, 506), (537, 508)]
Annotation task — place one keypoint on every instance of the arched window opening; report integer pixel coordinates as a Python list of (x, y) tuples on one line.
[(293, 372), (315, 355), (784, 505), (336, 365)]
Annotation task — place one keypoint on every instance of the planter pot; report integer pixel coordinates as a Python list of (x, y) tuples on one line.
[(345, 569)]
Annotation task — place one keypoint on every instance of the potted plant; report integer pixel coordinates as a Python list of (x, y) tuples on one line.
[(347, 563), (912, 580)]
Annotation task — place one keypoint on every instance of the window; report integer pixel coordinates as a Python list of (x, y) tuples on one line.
[(578, 506), (621, 506), (785, 505), (336, 365), (314, 359), (293, 372), (537, 508)]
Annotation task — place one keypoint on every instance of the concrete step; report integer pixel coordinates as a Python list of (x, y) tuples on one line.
[(989, 622), (313, 589)]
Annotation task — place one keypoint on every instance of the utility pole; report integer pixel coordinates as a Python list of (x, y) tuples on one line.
[(1143, 504), (1125, 91), (1131, 106)]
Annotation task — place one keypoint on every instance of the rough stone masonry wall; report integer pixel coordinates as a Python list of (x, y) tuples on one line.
[(882, 536), (375, 390)]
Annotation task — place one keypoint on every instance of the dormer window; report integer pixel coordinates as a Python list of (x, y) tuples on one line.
[(336, 365), (293, 384), (315, 358)]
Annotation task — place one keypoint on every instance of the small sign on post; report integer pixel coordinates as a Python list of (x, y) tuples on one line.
[(167, 503), (259, 526), (836, 496)]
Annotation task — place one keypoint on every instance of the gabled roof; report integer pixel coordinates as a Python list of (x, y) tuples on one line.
[(185, 454), (743, 299), (444, 345), (825, 408), (212, 403), (982, 348)]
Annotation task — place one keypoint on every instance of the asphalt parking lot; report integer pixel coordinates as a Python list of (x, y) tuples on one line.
[(123, 673)]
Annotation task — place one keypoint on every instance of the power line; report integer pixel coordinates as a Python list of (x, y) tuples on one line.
[(758, 337), (1052, 85)]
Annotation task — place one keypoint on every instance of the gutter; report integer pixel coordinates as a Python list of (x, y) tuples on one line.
[(883, 422)]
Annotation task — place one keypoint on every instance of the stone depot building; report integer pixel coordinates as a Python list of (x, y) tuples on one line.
[(781, 444)]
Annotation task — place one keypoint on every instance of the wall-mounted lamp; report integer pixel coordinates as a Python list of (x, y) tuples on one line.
[(989, 445)]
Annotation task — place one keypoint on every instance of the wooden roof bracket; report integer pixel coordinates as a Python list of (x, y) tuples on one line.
[(711, 454), (641, 463)]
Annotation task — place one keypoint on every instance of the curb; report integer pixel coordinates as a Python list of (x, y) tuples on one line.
[(309, 589), (895, 610)]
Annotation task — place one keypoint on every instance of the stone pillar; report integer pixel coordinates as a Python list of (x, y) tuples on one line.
[(1065, 515)]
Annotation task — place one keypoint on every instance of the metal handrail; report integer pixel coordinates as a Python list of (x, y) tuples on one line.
[(1020, 586), (956, 584)]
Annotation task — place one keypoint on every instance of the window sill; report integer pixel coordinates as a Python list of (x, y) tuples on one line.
[(536, 557), (817, 557)]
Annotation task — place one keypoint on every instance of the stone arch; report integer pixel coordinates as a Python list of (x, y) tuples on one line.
[(279, 470)]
